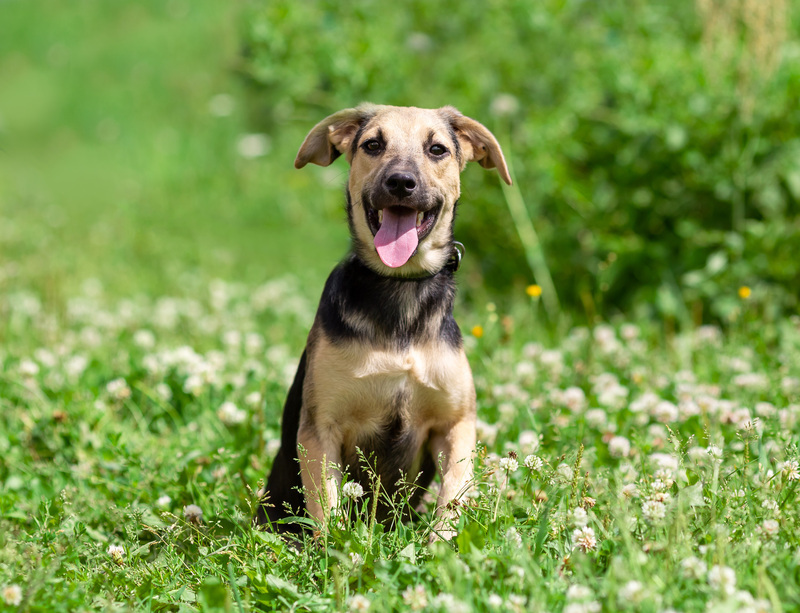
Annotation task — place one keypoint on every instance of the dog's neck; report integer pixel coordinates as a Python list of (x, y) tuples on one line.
[(358, 303)]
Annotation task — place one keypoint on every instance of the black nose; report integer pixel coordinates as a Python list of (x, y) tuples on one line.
[(401, 184)]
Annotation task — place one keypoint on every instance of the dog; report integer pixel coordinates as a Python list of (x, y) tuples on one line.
[(384, 374)]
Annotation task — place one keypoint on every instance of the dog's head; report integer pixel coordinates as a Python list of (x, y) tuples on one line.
[(405, 166)]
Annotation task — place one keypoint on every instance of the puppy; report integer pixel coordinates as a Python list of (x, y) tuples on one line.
[(384, 370)]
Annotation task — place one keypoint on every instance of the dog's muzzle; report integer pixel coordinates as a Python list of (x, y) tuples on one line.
[(398, 230)]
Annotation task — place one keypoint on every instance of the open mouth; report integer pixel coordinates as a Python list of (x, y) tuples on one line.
[(398, 231)]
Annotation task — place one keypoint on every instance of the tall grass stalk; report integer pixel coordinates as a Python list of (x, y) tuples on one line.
[(531, 244)]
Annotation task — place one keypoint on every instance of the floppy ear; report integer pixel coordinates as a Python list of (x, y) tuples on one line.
[(477, 143), (332, 136)]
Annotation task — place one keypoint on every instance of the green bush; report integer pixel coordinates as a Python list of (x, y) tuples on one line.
[(655, 145)]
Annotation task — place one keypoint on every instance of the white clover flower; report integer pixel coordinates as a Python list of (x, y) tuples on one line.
[(791, 470), (358, 603), (697, 454), (513, 538), (584, 539), (664, 461), (666, 476), (449, 603), (75, 366), (659, 486), (117, 554), (12, 594), (565, 472), (163, 501), (486, 432), (583, 607), (509, 464), (579, 592), (529, 441), (231, 415), (693, 567), (633, 592), (722, 578), (665, 412), (163, 391), (580, 518), (630, 490), (752, 381), (533, 462), (193, 514), (504, 104), (253, 399), (770, 528), (415, 598), (251, 146), (574, 399), (144, 339), (118, 389), (714, 452), (353, 490), (28, 368), (654, 510), (495, 601), (221, 105), (596, 418), (619, 447)]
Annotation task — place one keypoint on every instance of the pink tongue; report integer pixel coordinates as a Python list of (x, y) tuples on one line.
[(397, 238)]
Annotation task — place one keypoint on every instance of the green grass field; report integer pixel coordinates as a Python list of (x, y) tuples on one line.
[(160, 266)]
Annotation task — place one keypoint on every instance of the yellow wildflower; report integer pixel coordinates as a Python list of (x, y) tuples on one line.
[(534, 291), (744, 292), (477, 331)]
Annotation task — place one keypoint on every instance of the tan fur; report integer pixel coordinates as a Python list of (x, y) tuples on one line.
[(405, 129), (350, 387)]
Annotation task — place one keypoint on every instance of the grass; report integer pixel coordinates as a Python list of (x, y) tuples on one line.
[(156, 288)]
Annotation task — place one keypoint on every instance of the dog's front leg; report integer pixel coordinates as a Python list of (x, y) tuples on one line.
[(320, 464), (452, 449)]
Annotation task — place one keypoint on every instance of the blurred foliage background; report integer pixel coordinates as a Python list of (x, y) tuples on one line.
[(655, 146)]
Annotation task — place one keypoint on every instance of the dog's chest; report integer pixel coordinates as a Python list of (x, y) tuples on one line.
[(359, 388)]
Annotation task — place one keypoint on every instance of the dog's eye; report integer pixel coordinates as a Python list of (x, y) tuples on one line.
[(438, 150), (373, 145)]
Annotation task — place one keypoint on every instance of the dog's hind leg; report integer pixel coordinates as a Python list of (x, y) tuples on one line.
[(284, 486)]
